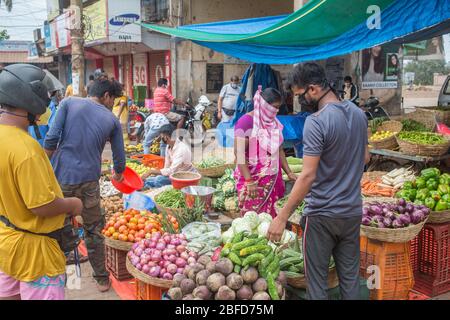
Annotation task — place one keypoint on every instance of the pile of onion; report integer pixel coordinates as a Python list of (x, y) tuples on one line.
[(162, 256), (393, 215)]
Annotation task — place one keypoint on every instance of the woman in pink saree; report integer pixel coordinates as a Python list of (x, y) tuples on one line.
[(260, 156)]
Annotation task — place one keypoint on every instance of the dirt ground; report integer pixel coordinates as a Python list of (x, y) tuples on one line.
[(425, 96)]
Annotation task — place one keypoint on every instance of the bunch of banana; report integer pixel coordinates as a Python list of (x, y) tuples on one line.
[(129, 148), (207, 121), (155, 147)]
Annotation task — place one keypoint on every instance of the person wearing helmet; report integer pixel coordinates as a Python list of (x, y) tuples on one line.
[(32, 205), (75, 144)]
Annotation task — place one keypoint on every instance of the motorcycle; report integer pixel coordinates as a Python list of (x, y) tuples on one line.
[(373, 109)]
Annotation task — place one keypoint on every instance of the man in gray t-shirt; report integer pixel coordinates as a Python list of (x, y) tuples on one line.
[(335, 152)]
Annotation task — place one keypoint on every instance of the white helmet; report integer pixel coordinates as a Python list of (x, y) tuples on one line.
[(203, 100)]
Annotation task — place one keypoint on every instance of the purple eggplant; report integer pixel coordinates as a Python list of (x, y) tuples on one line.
[(385, 211), (366, 221), (409, 208), (390, 215), (365, 211), (375, 210), (401, 202), (380, 225), (400, 209), (417, 216), (405, 219), (387, 222), (397, 224)]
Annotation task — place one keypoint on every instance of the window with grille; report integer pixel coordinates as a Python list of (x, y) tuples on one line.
[(155, 10)]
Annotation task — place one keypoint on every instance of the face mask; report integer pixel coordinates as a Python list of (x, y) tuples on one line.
[(310, 106), (234, 85)]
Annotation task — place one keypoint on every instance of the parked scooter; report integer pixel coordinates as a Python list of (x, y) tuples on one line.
[(373, 109)]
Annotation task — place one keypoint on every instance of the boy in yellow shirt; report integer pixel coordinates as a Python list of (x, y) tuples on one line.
[(32, 265)]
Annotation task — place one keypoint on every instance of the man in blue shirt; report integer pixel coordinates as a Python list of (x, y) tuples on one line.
[(75, 145)]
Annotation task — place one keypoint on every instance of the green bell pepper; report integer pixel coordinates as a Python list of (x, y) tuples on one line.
[(435, 195), (420, 183), (407, 185), (443, 189), (432, 184), (443, 180), (446, 197), (422, 194), (404, 194), (419, 202), (430, 173), (441, 205), (430, 203), (412, 194)]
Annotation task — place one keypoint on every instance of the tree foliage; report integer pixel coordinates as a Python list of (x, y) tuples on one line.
[(4, 35), (424, 70)]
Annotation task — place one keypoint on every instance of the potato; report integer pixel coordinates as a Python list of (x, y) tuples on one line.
[(201, 277), (215, 281), (224, 266), (234, 281), (244, 293), (250, 275), (187, 286), (175, 293), (282, 278), (260, 285), (261, 295), (225, 293)]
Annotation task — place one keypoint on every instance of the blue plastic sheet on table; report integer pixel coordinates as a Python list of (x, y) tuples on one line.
[(138, 201), (225, 134)]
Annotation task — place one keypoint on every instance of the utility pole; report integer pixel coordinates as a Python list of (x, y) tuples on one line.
[(77, 39)]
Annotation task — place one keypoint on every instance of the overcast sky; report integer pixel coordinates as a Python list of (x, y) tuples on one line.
[(25, 16)]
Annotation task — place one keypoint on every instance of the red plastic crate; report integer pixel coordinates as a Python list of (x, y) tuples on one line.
[(432, 259), (116, 263), (148, 292), (393, 260)]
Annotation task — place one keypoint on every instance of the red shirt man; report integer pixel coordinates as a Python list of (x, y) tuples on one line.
[(163, 101)]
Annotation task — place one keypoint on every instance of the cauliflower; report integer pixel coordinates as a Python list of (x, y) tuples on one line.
[(227, 235), (263, 228), (229, 187), (231, 204), (239, 225), (265, 217), (252, 219)]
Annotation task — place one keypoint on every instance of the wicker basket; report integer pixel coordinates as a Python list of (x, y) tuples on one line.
[(161, 283), (389, 143), (373, 175), (420, 115), (393, 235), (232, 214), (215, 172), (439, 216), (300, 282), (438, 114), (117, 244), (379, 199), (415, 149)]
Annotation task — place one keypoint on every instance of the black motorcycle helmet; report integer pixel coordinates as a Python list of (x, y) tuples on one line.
[(26, 87)]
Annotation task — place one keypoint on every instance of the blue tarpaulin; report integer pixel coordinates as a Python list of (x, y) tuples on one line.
[(400, 19)]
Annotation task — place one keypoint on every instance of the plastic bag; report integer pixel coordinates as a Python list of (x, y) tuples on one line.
[(202, 231), (138, 201)]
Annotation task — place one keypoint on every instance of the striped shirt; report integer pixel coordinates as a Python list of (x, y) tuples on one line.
[(162, 100)]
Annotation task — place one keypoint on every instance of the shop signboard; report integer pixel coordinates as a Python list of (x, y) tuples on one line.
[(49, 29), (123, 19), (96, 16), (52, 9), (140, 69), (380, 67), (62, 30)]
